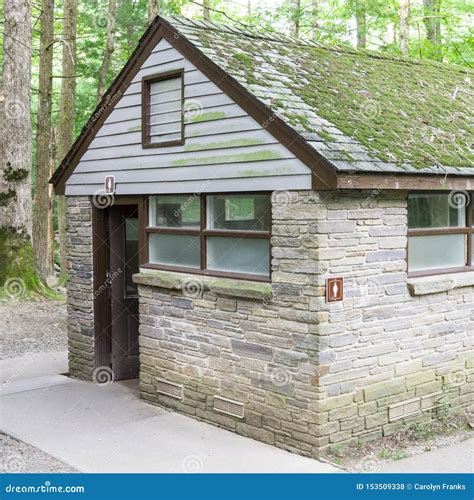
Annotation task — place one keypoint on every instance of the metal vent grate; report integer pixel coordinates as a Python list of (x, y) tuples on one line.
[(404, 409), (432, 401), (229, 407), (169, 389)]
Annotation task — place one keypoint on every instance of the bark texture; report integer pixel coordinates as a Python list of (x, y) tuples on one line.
[(404, 26), (432, 21), (206, 11), (153, 9), (16, 135), (109, 49), (41, 247), (66, 112)]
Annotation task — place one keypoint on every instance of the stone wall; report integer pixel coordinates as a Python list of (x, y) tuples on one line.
[(263, 353), (393, 339), (312, 374), (80, 290)]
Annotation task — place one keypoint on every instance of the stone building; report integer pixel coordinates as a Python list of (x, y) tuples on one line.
[(276, 236)]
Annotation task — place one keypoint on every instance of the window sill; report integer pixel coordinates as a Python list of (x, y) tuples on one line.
[(193, 285), (426, 285)]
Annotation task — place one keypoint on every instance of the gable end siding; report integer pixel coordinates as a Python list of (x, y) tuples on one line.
[(225, 149)]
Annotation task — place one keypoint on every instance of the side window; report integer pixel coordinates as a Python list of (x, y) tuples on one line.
[(162, 110), (439, 232)]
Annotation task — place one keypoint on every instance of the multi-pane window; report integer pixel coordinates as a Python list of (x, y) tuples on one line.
[(211, 234), (440, 232), (162, 110)]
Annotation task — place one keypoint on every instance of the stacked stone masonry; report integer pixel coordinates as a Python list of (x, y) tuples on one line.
[(310, 374), (80, 291)]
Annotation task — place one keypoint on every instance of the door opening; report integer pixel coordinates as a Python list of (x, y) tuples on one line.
[(123, 228)]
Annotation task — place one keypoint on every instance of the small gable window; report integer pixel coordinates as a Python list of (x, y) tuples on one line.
[(440, 232), (162, 110)]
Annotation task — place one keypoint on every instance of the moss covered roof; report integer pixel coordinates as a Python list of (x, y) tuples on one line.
[(362, 110)]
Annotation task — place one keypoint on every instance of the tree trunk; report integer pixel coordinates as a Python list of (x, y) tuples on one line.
[(432, 21), (66, 113), (109, 49), (314, 19), (43, 142), (52, 166), (361, 23), (296, 18), (17, 271), (206, 11), (153, 9), (404, 15)]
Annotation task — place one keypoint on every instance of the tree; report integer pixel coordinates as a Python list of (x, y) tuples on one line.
[(296, 17), (66, 113), (314, 18), (109, 49), (359, 9), (206, 10), (153, 9), (41, 247), (404, 27), (17, 273), (432, 21)]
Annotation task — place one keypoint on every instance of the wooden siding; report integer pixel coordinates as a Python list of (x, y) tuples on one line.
[(224, 150)]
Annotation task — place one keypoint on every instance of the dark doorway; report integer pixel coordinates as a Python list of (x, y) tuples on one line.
[(123, 229)]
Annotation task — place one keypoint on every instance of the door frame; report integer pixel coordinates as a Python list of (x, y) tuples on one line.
[(102, 304)]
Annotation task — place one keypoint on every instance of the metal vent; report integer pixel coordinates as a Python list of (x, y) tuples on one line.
[(229, 407), (169, 389), (404, 409), (431, 401)]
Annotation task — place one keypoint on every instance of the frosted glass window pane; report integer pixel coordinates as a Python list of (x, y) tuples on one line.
[(436, 252), (249, 212), (174, 250), (238, 255), (175, 211), (436, 210)]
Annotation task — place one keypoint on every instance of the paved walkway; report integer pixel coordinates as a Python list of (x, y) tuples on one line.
[(458, 457), (109, 429)]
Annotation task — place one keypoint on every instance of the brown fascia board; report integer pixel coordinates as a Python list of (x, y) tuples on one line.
[(323, 173), (413, 182)]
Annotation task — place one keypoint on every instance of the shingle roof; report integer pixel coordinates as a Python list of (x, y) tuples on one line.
[(363, 111)]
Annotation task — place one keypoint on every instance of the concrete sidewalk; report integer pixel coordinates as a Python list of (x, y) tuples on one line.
[(109, 429), (457, 458)]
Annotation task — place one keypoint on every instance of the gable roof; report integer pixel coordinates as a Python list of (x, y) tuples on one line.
[(339, 110)]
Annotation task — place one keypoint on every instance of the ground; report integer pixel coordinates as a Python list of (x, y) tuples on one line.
[(92, 428), (29, 326)]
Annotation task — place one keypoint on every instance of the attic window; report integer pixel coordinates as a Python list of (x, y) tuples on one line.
[(162, 109), (440, 232)]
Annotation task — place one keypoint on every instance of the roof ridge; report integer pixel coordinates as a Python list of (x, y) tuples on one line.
[(254, 32)]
